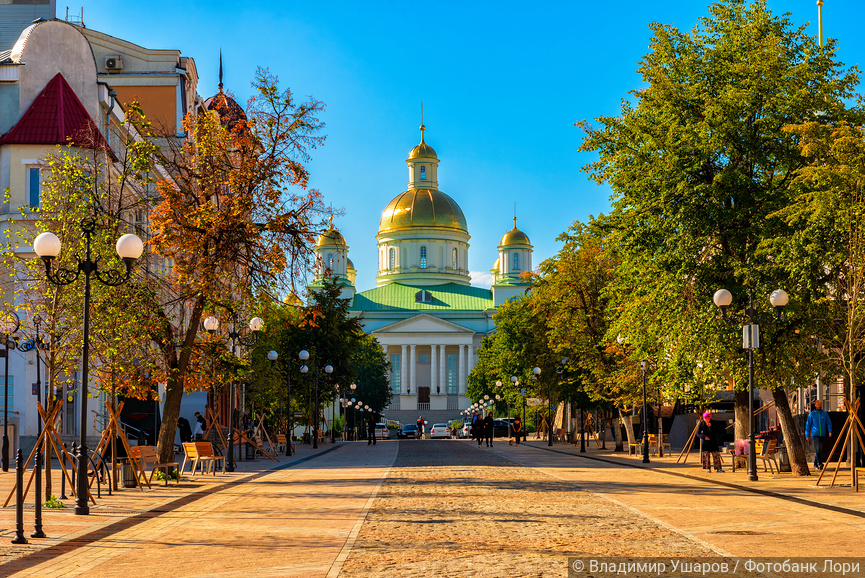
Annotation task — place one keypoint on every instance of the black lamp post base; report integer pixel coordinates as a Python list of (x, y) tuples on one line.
[(5, 452)]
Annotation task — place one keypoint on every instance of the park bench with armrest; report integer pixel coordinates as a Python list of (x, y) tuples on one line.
[(766, 453), (201, 453), (146, 455), (653, 444), (281, 441)]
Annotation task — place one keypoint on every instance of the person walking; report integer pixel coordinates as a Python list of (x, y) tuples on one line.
[(477, 424), (370, 430), (818, 427), (708, 445), (489, 428), (199, 427), (518, 429), (420, 427)]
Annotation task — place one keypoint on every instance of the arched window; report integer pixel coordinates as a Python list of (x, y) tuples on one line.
[(330, 260), (423, 257), (516, 261), (454, 259), (423, 172), (392, 258)]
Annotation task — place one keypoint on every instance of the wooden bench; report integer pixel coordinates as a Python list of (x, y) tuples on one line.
[(856, 473), (766, 453), (653, 444), (146, 455), (281, 441), (201, 453)]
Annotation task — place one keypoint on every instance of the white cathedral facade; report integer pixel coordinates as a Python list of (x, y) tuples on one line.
[(423, 310)]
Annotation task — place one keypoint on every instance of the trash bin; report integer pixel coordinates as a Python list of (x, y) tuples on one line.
[(127, 474), (783, 460)]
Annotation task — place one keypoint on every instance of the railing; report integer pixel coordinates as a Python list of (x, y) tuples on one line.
[(423, 405), (394, 403)]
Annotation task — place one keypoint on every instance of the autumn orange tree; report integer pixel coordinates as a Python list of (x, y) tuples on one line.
[(235, 218)]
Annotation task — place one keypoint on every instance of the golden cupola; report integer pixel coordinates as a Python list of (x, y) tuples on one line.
[(422, 234)]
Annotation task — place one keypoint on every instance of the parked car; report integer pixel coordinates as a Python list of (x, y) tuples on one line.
[(466, 431), (440, 430), (500, 428), (381, 432), (408, 432)]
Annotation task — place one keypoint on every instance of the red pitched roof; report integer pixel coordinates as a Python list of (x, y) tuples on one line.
[(56, 117)]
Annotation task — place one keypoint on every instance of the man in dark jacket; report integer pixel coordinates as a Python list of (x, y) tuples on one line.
[(370, 430), (489, 428), (818, 427)]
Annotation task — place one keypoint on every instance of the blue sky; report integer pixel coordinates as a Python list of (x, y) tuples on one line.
[(502, 85)]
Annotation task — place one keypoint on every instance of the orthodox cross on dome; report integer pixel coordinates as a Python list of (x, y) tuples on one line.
[(515, 214), (220, 70), (422, 127)]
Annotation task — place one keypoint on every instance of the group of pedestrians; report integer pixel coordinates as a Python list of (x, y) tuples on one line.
[(483, 429)]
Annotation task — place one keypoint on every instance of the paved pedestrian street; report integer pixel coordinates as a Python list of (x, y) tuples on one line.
[(429, 508)]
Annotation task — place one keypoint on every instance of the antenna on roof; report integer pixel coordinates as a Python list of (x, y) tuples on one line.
[(220, 70)]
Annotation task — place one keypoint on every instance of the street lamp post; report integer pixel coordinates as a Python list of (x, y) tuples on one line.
[(9, 324), (645, 420), (353, 387), (211, 324), (47, 246), (750, 341)]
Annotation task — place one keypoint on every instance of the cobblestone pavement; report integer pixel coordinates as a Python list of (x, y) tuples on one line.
[(452, 509)]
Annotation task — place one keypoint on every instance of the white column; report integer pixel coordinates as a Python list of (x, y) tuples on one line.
[(443, 369), (433, 368), (403, 369), (462, 370), (471, 364), (412, 369)]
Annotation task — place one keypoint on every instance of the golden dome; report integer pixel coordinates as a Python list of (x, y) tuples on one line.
[(331, 237), (423, 150), (496, 265), (349, 266), (422, 208), (515, 237)]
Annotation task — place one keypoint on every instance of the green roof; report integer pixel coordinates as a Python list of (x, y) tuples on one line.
[(445, 297)]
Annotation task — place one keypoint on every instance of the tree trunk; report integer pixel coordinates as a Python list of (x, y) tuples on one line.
[(792, 438), (740, 409), (178, 365), (629, 426)]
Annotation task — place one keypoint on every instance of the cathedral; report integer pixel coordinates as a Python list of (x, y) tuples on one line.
[(423, 310)]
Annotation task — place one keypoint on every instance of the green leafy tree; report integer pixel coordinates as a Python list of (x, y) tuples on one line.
[(698, 162)]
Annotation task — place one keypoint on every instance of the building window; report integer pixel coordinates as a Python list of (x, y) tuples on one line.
[(423, 358), (516, 261), (452, 373), (454, 259), (395, 373), (423, 257), (423, 172), (33, 186), (392, 258)]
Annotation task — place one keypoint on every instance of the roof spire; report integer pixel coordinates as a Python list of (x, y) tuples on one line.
[(422, 127), (515, 214), (820, 20), (220, 70)]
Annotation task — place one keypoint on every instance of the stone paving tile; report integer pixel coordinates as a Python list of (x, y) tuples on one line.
[(449, 508)]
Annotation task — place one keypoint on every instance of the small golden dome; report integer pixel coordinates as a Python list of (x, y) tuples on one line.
[(423, 150), (349, 266), (496, 265), (515, 237), (331, 237), (422, 208)]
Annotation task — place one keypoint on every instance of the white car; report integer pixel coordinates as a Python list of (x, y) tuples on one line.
[(381, 432), (440, 430)]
